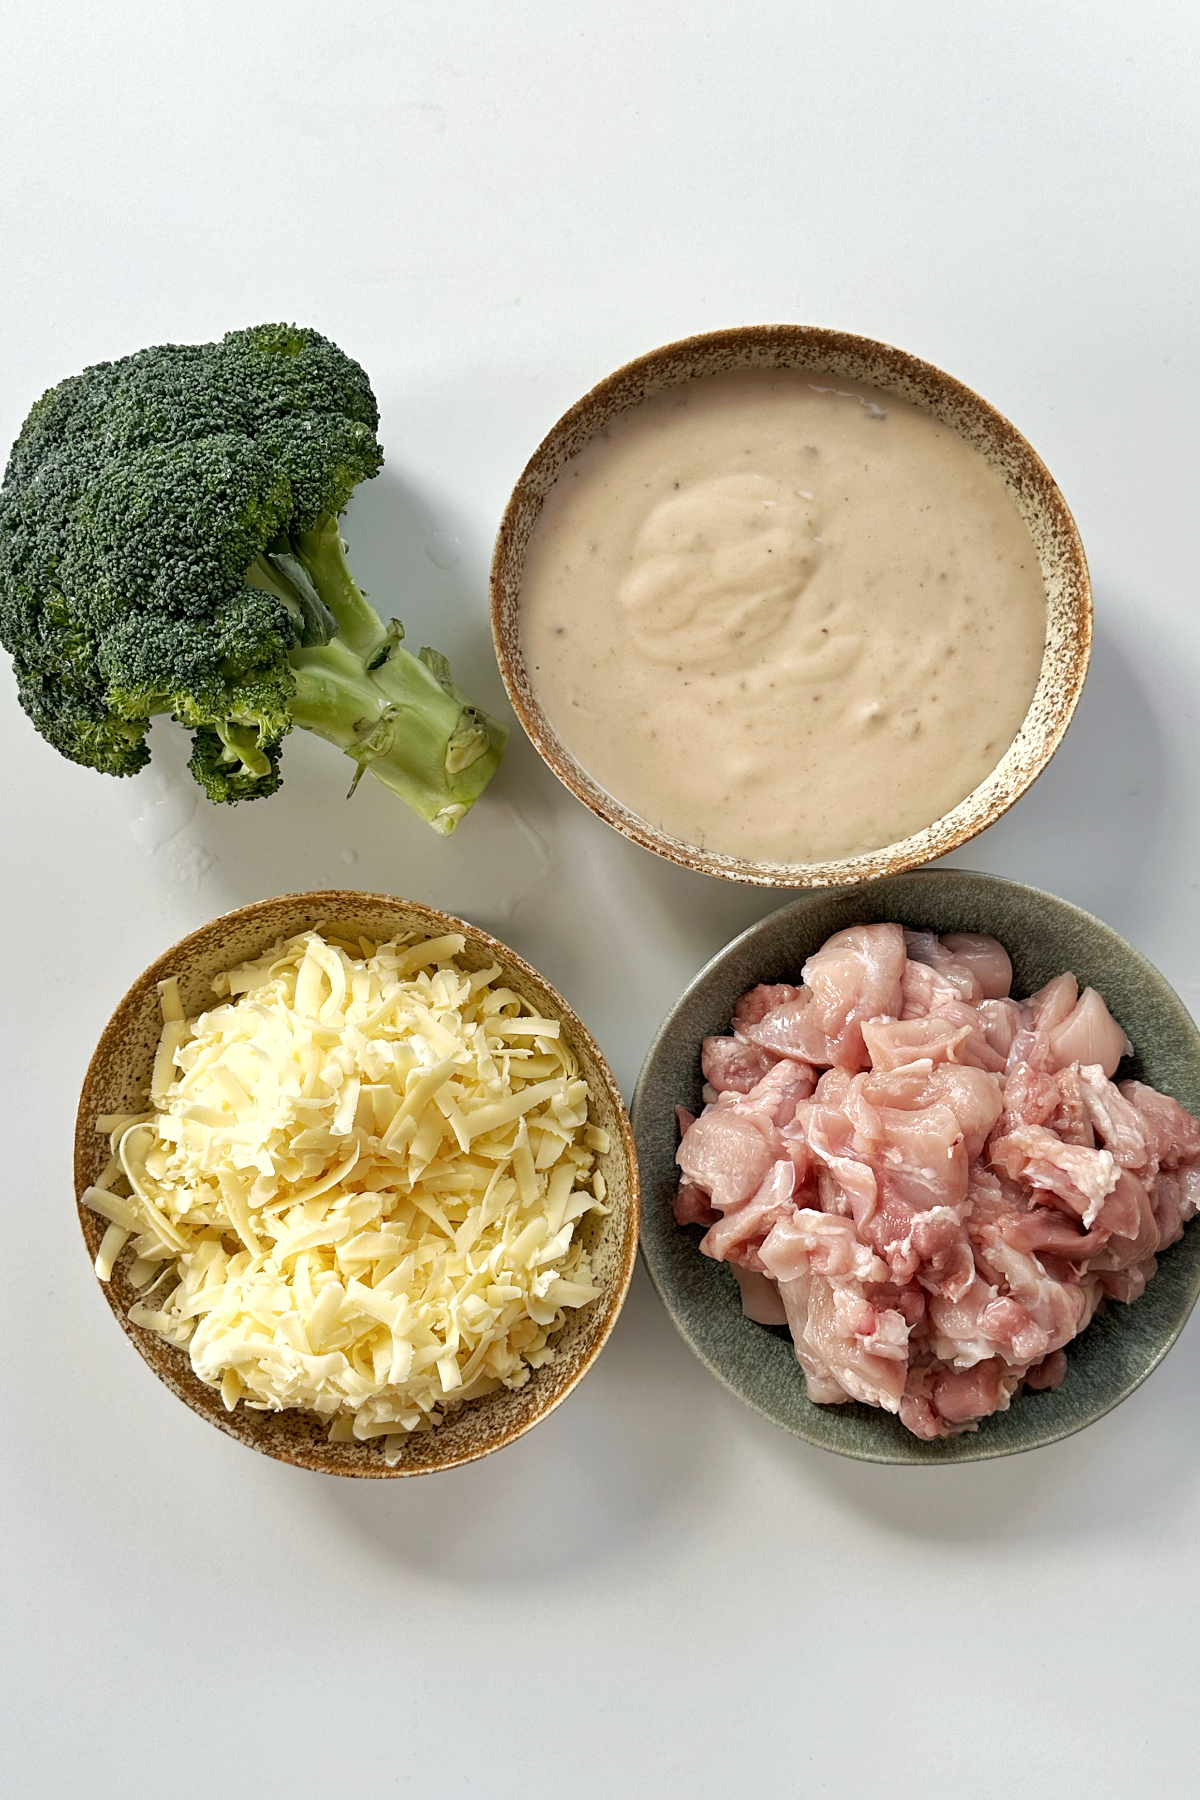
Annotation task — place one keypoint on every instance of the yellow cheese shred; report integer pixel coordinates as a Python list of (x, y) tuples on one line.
[(357, 1185)]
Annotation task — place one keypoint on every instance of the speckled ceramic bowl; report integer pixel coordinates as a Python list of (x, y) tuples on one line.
[(1069, 633), (1044, 936), (119, 1075)]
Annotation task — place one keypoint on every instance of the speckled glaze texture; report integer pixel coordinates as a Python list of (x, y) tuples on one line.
[(119, 1077), (1041, 505), (1044, 936)]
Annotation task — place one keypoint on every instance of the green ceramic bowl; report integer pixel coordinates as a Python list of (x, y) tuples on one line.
[(1044, 936)]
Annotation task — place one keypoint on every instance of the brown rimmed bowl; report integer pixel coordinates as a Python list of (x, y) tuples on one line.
[(850, 358), (119, 1076)]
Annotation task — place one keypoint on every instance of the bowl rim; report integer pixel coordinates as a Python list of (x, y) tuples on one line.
[(437, 923), (780, 345), (973, 1447)]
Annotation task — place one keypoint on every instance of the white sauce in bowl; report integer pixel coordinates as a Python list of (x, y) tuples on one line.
[(782, 616)]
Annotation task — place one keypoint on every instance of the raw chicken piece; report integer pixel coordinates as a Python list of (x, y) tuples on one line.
[(1053, 1004), (959, 1397), (1054, 1311), (846, 1185), (1049, 1373), (894, 1043), (853, 977), (967, 1397), (926, 947), (1001, 1021), (731, 1066), (987, 960), (773, 1099), (972, 1095), (726, 1155), (1089, 1034), (1128, 1284), (922, 1157), (728, 1150), (692, 1206), (1115, 1120), (761, 1000), (1043, 1231), (977, 967), (1172, 1135), (1079, 1177), (926, 994), (939, 1212), (822, 1244), (1128, 1217), (738, 1236), (760, 1297), (831, 1324), (1176, 1200)]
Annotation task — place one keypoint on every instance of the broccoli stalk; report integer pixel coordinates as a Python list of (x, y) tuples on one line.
[(398, 715), (169, 543)]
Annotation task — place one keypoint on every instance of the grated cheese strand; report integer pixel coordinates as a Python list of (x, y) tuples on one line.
[(358, 1186)]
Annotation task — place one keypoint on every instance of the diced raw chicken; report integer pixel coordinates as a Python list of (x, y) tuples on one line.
[(731, 1066), (966, 1396), (738, 1235), (1128, 1284), (1128, 1217), (1001, 1021), (761, 1000), (830, 1325), (1089, 1034), (692, 1206), (1049, 1373), (1079, 1177), (926, 947), (773, 1099), (1053, 1004), (760, 1297), (894, 1043), (1176, 1200), (939, 1212), (978, 967), (1115, 1120), (987, 960), (972, 1095), (925, 994), (726, 1155), (822, 1244), (855, 976), (1172, 1135)]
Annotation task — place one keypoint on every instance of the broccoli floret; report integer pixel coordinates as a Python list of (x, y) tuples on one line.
[(169, 543)]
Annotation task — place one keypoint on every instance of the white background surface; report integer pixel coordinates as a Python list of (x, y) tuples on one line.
[(491, 205)]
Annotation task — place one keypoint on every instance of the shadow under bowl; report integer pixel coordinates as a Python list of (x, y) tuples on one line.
[(849, 358), (118, 1078), (1044, 937)]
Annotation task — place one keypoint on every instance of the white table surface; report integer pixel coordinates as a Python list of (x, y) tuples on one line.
[(492, 205)]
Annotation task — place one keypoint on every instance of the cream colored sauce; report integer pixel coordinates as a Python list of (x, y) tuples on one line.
[(783, 617)]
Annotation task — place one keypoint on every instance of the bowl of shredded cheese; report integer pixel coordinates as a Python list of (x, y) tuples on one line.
[(357, 1183)]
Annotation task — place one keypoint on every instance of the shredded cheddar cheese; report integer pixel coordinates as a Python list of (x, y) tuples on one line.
[(357, 1185)]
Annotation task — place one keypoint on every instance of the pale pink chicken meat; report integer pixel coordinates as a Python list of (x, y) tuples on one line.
[(933, 1185), (853, 977), (730, 1066), (1089, 1034)]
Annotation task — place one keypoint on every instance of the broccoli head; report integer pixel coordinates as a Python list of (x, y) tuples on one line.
[(169, 543)]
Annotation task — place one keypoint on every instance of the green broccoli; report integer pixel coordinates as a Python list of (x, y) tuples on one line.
[(169, 543)]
